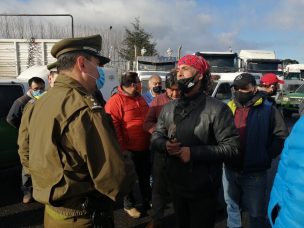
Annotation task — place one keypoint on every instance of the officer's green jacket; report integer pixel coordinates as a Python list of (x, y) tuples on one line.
[(23, 136), (73, 149)]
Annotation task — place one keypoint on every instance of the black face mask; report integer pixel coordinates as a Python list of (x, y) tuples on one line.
[(157, 89), (242, 97), (274, 92), (185, 85)]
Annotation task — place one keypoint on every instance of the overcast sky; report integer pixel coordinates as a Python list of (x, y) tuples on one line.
[(197, 25)]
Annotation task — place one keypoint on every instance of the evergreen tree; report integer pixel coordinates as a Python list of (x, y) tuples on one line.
[(139, 38), (289, 61)]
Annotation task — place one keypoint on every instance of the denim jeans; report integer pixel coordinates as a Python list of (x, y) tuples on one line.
[(245, 192)]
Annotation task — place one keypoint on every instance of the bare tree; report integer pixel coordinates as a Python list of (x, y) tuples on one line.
[(27, 28)]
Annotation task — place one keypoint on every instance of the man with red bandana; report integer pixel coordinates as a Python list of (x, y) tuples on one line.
[(197, 134)]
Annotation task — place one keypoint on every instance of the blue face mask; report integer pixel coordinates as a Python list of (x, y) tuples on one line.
[(37, 93), (101, 79)]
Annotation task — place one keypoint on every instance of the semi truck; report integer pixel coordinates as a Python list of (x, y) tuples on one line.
[(220, 62), (146, 66), (259, 61), (223, 67), (16, 55), (294, 72), (293, 94)]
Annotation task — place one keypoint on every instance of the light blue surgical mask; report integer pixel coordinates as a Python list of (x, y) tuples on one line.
[(101, 79), (37, 93)]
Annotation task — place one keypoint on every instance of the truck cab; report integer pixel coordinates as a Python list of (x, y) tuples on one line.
[(260, 61), (220, 62), (146, 66)]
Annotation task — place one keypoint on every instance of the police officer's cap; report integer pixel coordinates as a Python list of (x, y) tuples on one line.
[(52, 66), (90, 45)]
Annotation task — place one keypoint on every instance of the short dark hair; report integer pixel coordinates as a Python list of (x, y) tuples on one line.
[(171, 79), (67, 61), (36, 80), (53, 73), (128, 78), (206, 83)]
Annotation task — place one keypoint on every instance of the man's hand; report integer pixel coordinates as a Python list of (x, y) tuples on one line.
[(185, 154), (173, 147)]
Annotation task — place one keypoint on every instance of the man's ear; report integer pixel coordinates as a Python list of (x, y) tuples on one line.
[(201, 76), (255, 90), (80, 63)]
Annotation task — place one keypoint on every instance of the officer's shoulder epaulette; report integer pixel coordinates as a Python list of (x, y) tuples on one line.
[(92, 103)]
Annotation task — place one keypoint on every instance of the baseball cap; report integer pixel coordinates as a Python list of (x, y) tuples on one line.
[(243, 80), (269, 79)]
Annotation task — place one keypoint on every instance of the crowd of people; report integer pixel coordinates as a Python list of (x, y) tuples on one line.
[(81, 154)]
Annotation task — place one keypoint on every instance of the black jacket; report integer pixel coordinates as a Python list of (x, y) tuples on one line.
[(205, 125), (15, 113)]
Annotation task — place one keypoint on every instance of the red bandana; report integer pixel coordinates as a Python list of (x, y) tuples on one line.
[(195, 61)]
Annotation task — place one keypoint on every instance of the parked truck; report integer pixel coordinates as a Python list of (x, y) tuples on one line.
[(16, 55), (223, 67), (259, 61), (293, 93), (146, 66), (294, 72)]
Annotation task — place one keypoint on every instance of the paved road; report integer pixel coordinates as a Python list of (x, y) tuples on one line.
[(15, 214)]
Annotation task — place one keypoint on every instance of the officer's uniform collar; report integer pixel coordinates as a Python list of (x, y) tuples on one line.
[(64, 80)]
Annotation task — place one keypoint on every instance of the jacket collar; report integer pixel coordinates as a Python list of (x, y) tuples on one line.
[(63, 80), (255, 101)]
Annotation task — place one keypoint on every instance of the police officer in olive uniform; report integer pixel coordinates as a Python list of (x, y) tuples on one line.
[(75, 161), (23, 136)]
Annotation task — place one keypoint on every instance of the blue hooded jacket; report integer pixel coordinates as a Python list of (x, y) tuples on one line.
[(286, 205)]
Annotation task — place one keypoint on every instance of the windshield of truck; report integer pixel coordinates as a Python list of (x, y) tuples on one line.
[(263, 66), (300, 89), (222, 63), (292, 76), (164, 66)]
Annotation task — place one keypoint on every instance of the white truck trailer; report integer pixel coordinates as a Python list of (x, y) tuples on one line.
[(16, 55)]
